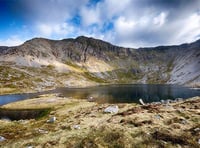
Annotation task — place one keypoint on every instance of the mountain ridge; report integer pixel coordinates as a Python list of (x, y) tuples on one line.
[(87, 61)]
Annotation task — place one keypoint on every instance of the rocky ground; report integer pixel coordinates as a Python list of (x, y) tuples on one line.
[(80, 123)]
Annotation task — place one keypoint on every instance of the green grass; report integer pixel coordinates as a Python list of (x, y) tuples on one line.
[(24, 113), (94, 78), (51, 67), (73, 65)]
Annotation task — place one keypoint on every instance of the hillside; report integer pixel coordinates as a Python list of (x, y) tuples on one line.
[(41, 64)]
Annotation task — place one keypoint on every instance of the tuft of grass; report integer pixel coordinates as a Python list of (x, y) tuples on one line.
[(185, 139), (18, 114), (73, 65), (50, 67), (102, 137)]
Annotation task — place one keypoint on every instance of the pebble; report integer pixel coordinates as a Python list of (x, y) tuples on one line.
[(76, 127), (162, 101), (2, 138), (197, 129), (51, 120), (156, 103), (157, 116), (141, 102), (42, 131), (183, 121), (179, 99), (91, 99), (168, 106), (199, 141)]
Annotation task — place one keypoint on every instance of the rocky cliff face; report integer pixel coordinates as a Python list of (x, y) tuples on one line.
[(86, 61)]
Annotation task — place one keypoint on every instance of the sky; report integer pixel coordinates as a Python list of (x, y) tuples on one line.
[(128, 23)]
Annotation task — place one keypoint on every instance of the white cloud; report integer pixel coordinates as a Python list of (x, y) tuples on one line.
[(160, 19), (89, 16), (190, 29), (124, 27), (45, 30), (111, 8), (12, 41), (49, 30), (135, 23)]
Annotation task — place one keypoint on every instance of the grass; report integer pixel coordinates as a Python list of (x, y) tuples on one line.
[(185, 139), (73, 65), (91, 77), (51, 67), (8, 90), (102, 137), (17, 114), (139, 129)]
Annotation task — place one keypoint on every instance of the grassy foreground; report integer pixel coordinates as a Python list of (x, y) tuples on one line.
[(84, 124)]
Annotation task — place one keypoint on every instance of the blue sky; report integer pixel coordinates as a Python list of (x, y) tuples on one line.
[(129, 23)]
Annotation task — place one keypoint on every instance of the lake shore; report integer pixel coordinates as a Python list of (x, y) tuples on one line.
[(9, 91), (80, 123)]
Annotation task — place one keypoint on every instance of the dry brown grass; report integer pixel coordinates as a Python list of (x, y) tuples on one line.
[(134, 125)]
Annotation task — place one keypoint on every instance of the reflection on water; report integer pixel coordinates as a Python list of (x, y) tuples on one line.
[(5, 99), (131, 93), (117, 93)]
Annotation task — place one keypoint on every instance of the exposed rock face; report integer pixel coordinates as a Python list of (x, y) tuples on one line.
[(93, 60)]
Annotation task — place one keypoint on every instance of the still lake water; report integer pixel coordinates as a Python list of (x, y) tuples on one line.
[(115, 93)]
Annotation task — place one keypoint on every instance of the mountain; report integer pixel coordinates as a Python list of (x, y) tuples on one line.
[(41, 63)]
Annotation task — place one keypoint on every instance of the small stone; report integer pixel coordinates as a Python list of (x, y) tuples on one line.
[(180, 110), (156, 103), (2, 138), (112, 109), (76, 127), (51, 120), (167, 101), (183, 121), (42, 131), (91, 99), (197, 129), (199, 141), (141, 102), (168, 106), (179, 99), (157, 116), (162, 101)]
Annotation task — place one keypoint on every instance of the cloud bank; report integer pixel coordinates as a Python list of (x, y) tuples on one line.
[(130, 23)]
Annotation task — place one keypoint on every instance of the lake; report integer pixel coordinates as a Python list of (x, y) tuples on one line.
[(116, 93)]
